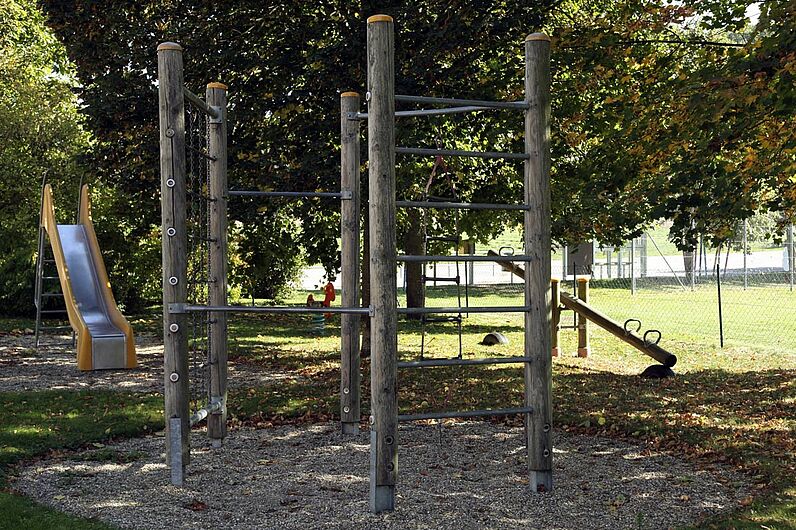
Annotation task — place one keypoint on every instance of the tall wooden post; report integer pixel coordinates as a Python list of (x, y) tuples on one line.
[(175, 283), (349, 263), (555, 295), (383, 289), (538, 373), (216, 97), (583, 323)]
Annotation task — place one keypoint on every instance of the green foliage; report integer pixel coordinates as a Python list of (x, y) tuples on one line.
[(41, 131)]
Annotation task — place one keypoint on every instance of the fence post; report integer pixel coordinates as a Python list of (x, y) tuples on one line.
[(174, 243), (632, 266), (538, 320), (583, 324), (349, 264), (216, 97), (791, 259), (383, 289), (745, 270), (555, 295)]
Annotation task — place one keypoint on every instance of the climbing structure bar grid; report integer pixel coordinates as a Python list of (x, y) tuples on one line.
[(344, 195)]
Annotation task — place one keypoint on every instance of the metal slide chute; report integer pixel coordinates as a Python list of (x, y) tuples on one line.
[(104, 337)]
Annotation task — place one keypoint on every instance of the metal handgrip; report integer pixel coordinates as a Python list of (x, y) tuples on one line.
[(500, 251), (628, 321), (657, 340)]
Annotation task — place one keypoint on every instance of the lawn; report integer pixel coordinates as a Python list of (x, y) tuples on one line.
[(734, 406)]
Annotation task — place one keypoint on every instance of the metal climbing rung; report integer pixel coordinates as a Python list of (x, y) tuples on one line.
[(448, 239), (456, 279), (464, 414), (52, 311), (426, 363), (55, 327), (488, 309), (467, 257), (50, 278), (52, 295), (431, 320)]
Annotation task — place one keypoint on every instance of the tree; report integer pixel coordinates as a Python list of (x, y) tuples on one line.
[(41, 131)]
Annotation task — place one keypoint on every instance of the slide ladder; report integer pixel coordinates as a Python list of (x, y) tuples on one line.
[(104, 338)]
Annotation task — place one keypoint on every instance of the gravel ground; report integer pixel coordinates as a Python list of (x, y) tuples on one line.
[(464, 475), (22, 368)]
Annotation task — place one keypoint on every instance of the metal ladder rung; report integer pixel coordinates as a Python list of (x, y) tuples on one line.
[(52, 295), (426, 363), (50, 278), (456, 279), (449, 239), (52, 311), (464, 414), (55, 327), (429, 320)]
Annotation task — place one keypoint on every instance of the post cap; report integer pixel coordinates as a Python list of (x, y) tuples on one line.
[(169, 46), (583, 279), (537, 36), (555, 280), (349, 95), (216, 84), (379, 18)]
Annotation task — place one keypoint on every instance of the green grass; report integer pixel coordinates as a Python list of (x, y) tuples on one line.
[(36, 424), (734, 406)]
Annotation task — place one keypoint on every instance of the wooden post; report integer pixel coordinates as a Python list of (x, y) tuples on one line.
[(175, 282), (349, 264), (216, 97), (583, 323), (538, 320), (555, 287), (383, 288)]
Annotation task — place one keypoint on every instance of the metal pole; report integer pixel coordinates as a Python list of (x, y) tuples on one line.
[(583, 323), (384, 322), (538, 321), (555, 292), (216, 96), (745, 270), (791, 257), (175, 262), (718, 290), (349, 265), (632, 266)]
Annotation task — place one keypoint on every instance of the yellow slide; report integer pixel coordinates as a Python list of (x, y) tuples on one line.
[(104, 337)]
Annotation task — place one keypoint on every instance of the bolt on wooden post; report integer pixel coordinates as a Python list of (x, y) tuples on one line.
[(216, 98), (383, 289), (349, 263), (584, 350), (175, 262), (538, 319)]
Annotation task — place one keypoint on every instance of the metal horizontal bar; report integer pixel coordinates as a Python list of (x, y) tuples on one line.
[(463, 362), (424, 112), (188, 308), (455, 152), (442, 310), (345, 195), (52, 295), (458, 102), (55, 327), (204, 412), (200, 103), (464, 414), (51, 311), (50, 278), (466, 257), (456, 279), (460, 205)]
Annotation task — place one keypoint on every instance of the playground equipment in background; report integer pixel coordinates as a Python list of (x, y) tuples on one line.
[(586, 312), (204, 195), (319, 320), (104, 338)]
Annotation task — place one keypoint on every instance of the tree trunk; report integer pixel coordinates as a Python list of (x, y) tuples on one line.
[(364, 350), (414, 244)]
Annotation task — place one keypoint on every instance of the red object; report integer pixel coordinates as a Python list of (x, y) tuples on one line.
[(330, 297)]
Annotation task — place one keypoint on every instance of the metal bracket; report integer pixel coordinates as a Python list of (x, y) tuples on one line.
[(371, 311), (178, 309), (217, 116), (346, 195)]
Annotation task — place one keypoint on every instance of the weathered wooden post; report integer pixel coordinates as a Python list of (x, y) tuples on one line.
[(216, 98), (349, 263), (555, 295), (583, 323), (383, 288), (538, 319), (174, 239)]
